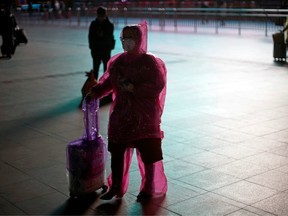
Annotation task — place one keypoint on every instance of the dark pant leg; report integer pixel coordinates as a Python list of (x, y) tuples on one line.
[(150, 150), (117, 167), (149, 178), (106, 55), (96, 62)]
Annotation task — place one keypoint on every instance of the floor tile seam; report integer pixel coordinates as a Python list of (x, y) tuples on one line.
[(23, 103), (234, 142), (31, 177), (230, 128), (132, 194), (211, 192), (272, 150), (229, 131), (199, 171), (49, 156), (210, 167), (245, 204), (14, 205), (198, 165), (274, 154), (220, 127), (259, 184), (19, 170), (252, 205), (246, 180), (46, 41), (223, 60), (36, 78), (215, 59), (268, 150), (245, 209), (250, 176), (188, 130), (263, 122), (50, 134), (175, 140), (237, 181), (193, 197), (53, 190), (257, 164), (202, 166), (281, 130), (18, 203), (239, 159), (255, 124), (268, 133), (156, 204), (169, 210), (37, 102), (171, 155), (276, 169)]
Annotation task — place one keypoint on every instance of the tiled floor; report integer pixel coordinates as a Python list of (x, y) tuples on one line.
[(225, 123)]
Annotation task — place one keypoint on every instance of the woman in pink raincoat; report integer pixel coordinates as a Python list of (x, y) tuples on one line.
[(137, 80)]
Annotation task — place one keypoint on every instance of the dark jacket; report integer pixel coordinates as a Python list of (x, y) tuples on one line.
[(7, 22), (101, 35)]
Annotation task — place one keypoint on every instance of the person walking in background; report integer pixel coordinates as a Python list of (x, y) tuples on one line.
[(101, 40), (137, 81)]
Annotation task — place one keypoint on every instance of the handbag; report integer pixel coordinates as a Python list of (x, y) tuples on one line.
[(88, 84), (20, 36)]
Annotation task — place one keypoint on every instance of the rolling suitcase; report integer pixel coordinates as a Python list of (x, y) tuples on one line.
[(86, 156), (279, 47)]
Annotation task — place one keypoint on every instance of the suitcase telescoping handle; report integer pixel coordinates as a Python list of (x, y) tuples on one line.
[(92, 108)]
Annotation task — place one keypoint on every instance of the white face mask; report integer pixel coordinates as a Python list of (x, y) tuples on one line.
[(128, 44)]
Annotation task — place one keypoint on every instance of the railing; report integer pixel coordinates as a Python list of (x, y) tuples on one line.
[(213, 20)]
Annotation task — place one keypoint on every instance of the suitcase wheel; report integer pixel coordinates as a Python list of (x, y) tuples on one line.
[(280, 59)]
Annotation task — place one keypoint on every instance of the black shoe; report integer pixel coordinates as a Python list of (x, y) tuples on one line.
[(143, 196)]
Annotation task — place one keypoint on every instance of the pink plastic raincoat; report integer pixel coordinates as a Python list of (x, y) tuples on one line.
[(136, 115)]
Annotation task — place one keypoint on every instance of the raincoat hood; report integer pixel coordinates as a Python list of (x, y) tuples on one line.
[(138, 33)]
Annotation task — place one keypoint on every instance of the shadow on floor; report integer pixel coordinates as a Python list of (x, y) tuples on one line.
[(109, 208), (76, 206), (82, 206), (281, 63), (149, 208), (86, 205), (68, 106), (121, 207)]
